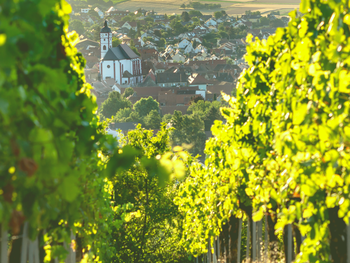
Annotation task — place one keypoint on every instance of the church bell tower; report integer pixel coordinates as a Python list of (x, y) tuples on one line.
[(105, 39)]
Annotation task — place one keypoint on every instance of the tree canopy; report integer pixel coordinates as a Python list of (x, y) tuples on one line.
[(113, 104), (188, 130), (144, 106), (78, 26)]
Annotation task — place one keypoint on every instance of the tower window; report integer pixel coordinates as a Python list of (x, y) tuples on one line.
[(104, 39), (104, 48), (108, 66)]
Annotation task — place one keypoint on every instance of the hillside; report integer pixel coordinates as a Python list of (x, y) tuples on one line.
[(231, 7)]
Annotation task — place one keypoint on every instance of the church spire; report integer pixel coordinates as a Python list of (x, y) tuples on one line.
[(105, 39)]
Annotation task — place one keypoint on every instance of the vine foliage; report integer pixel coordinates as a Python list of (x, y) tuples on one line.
[(284, 149)]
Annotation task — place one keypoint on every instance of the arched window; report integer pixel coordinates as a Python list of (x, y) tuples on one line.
[(104, 48)]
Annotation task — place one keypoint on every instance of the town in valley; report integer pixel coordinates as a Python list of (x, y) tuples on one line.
[(173, 66)]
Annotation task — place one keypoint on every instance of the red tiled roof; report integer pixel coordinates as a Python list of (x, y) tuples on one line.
[(225, 87), (210, 63), (171, 109)]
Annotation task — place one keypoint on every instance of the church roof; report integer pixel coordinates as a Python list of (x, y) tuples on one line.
[(106, 29), (127, 74), (123, 51)]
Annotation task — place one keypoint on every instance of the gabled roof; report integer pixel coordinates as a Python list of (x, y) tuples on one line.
[(227, 67), (225, 77), (132, 24), (110, 9), (197, 79), (149, 80), (84, 43), (171, 77), (223, 86), (127, 74), (123, 51)]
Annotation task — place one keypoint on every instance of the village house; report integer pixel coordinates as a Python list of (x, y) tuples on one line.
[(130, 25), (84, 10), (99, 12), (184, 43), (119, 13), (148, 53), (178, 78), (111, 9), (210, 22), (200, 30), (176, 96)]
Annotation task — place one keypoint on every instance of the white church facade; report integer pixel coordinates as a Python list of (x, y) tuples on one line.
[(119, 63)]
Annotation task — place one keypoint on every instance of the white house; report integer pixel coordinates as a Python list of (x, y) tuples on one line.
[(130, 25), (197, 40), (111, 9), (184, 43), (99, 12), (212, 28), (178, 57), (210, 22), (90, 20), (188, 49), (119, 63), (200, 48), (84, 10), (150, 44)]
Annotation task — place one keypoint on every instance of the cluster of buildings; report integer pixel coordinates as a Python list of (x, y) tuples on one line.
[(172, 84), (173, 74)]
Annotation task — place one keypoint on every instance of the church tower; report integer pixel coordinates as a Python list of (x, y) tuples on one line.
[(105, 39)]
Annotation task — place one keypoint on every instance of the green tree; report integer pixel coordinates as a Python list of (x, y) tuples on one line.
[(116, 42), (211, 115), (123, 115), (276, 23), (195, 13), (219, 14), (77, 26), (128, 92), (158, 33), (144, 106), (152, 230), (161, 42), (153, 120), (185, 16), (132, 33), (207, 111), (94, 14), (177, 27), (264, 21), (188, 130), (133, 48), (113, 104), (167, 118)]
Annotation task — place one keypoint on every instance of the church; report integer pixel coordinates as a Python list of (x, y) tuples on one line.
[(119, 63)]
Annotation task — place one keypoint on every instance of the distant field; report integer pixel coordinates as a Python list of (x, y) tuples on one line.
[(232, 7)]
